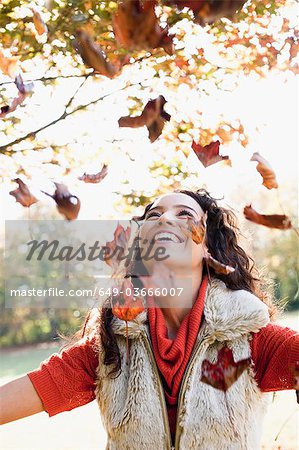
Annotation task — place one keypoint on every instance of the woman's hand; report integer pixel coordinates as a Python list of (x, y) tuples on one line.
[(18, 399)]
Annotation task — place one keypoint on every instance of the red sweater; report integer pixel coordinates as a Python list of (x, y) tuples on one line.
[(67, 380)]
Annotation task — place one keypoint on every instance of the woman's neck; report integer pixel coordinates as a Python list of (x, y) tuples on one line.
[(175, 308)]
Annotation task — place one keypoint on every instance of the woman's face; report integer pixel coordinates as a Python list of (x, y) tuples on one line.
[(163, 228)]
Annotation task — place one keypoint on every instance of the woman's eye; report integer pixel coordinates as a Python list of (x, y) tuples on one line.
[(151, 215), (185, 213)]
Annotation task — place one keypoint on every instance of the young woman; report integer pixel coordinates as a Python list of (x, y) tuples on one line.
[(153, 396)]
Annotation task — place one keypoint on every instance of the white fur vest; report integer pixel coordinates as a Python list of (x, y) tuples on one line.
[(133, 406)]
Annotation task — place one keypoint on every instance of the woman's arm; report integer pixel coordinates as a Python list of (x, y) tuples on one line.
[(275, 350), (62, 382), (18, 399)]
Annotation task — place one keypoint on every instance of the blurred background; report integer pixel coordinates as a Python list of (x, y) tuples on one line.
[(232, 78)]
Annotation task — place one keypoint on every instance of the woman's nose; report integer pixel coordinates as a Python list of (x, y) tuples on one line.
[(167, 217)]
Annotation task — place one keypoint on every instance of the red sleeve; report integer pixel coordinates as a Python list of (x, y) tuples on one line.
[(275, 350), (66, 380)]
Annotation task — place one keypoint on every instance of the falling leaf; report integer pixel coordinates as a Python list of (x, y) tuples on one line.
[(95, 178), (120, 241), (22, 194), (294, 47), (218, 267), (39, 24), (8, 65), (196, 230), (225, 371), (207, 11), (129, 308), (266, 171), (209, 154), (136, 27), (23, 88), (93, 55), (153, 116), (279, 221), (67, 204)]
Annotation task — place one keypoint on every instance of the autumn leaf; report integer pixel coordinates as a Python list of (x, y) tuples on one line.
[(39, 24), (127, 307), (136, 27), (95, 178), (93, 55), (153, 116), (67, 204), (196, 230), (22, 194), (24, 90), (8, 65), (225, 371), (209, 154), (219, 268), (266, 171), (206, 11), (279, 221), (130, 306), (120, 241)]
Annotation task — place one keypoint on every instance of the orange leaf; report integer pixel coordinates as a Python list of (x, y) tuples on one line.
[(196, 230), (39, 23), (136, 27), (266, 171), (95, 178), (279, 221), (9, 66), (120, 241), (22, 194), (225, 371), (209, 154)]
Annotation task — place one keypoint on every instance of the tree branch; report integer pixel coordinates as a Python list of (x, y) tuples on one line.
[(64, 115)]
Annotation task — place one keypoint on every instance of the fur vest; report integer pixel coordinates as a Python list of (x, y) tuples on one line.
[(133, 405)]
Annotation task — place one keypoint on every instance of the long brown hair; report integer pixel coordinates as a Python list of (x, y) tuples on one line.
[(222, 242)]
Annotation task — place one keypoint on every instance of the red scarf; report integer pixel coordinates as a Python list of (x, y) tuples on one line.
[(172, 355)]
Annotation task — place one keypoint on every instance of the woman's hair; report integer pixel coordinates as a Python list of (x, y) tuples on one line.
[(222, 237)]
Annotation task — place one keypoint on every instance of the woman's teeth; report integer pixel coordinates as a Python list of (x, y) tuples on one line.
[(163, 236)]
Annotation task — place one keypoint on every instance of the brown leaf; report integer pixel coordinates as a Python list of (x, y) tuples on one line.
[(22, 194), (218, 267), (196, 230), (93, 55), (207, 11), (67, 204), (153, 116), (24, 91), (95, 178), (136, 27), (39, 23), (279, 221), (225, 371), (266, 171), (209, 154), (120, 241)]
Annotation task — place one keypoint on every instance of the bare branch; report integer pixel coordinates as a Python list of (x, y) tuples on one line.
[(64, 115)]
